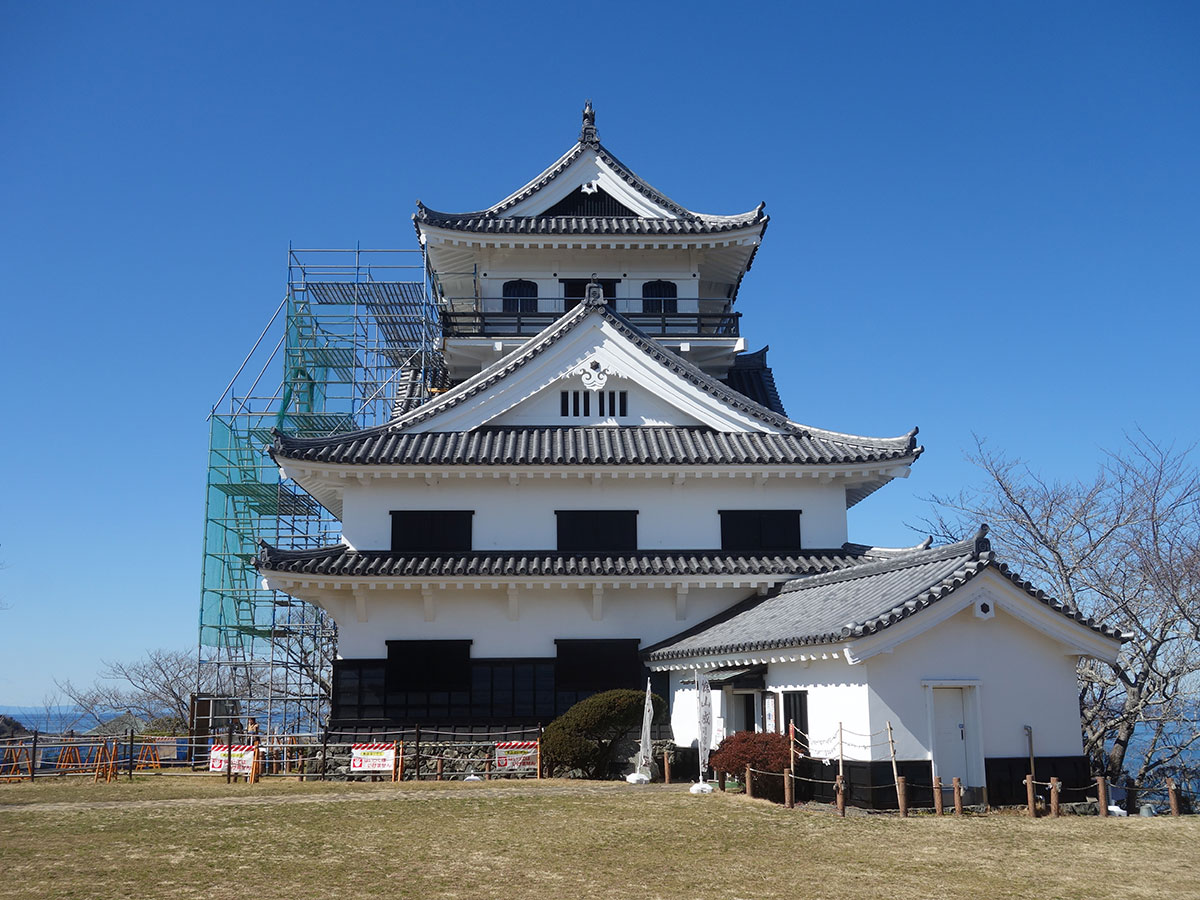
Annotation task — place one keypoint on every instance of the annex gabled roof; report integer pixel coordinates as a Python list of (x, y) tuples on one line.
[(855, 603), (766, 437), (588, 191)]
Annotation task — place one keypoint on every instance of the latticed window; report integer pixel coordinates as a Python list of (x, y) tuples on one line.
[(660, 297), (520, 296)]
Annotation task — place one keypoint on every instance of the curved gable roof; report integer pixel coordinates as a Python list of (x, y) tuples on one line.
[(393, 443), (838, 606), (501, 218)]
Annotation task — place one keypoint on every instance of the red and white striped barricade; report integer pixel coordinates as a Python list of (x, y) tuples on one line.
[(240, 758), (516, 756), (373, 758)]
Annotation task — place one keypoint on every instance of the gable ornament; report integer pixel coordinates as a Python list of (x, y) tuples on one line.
[(594, 375)]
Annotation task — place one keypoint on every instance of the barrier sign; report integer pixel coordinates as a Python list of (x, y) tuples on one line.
[(241, 756), (516, 756), (373, 758)]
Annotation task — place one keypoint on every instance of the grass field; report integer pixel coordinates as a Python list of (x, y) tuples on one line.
[(179, 838)]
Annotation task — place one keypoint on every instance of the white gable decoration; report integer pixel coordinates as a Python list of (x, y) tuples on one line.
[(584, 352)]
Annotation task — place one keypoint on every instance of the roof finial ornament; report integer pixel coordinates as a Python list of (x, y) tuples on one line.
[(982, 544), (587, 134), (593, 294)]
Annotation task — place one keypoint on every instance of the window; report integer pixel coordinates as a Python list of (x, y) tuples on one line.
[(760, 529), (612, 404), (358, 689), (590, 530), (574, 288), (795, 709), (520, 296), (659, 297), (431, 531), (428, 680), (585, 667)]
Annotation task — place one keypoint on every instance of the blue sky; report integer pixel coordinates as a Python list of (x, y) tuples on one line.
[(984, 219)]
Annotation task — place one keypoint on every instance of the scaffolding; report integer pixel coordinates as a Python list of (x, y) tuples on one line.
[(356, 341)]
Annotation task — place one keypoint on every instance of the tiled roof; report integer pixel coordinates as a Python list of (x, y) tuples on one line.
[(750, 375), (649, 445), (341, 561), (486, 222), (838, 606), (798, 444), (493, 220)]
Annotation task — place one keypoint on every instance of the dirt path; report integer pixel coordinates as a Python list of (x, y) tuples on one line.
[(519, 789)]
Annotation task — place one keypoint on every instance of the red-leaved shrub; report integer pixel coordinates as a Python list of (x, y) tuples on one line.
[(765, 752)]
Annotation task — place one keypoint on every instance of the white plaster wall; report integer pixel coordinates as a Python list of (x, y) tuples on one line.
[(632, 268), (644, 407), (685, 724), (1023, 677), (544, 615), (521, 516), (836, 693)]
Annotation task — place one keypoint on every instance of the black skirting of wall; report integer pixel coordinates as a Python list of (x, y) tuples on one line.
[(869, 785), (1006, 778)]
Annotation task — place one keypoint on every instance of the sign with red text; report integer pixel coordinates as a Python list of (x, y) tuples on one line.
[(372, 757), (239, 756), (516, 756)]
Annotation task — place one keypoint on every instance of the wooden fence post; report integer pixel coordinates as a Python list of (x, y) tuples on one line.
[(1030, 800), (1054, 788), (131, 754), (840, 787), (789, 795), (1102, 795), (666, 767), (229, 754), (417, 753), (324, 752), (938, 804), (902, 795), (441, 765), (957, 795), (1173, 796), (749, 787)]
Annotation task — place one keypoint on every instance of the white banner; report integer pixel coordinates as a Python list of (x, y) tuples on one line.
[(704, 716), (372, 757), (240, 755), (646, 748)]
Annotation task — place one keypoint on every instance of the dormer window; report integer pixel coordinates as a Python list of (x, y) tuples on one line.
[(520, 296), (660, 297)]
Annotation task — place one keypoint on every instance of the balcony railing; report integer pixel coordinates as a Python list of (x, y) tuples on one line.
[(508, 324)]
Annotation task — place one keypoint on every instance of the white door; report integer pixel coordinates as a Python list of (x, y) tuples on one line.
[(949, 735)]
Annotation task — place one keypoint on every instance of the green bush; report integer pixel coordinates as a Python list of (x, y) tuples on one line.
[(763, 751), (585, 737)]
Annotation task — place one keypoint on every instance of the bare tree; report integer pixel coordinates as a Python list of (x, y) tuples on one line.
[(1124, 548), (156, 687)]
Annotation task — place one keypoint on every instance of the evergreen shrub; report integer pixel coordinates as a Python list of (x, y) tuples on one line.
[(582, 741)]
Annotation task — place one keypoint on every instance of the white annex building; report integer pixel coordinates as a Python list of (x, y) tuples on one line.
[(612, 485)]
